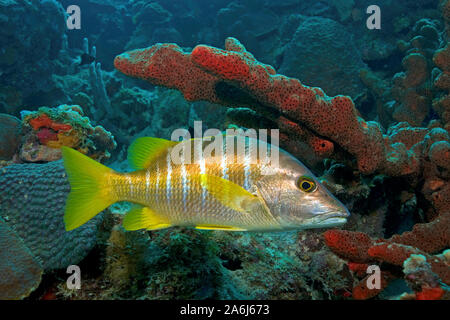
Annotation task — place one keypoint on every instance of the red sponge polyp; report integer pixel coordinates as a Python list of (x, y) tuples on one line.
[(197, 73), (167, 65), (348, 244), (430, 294), (229, 65), (43, 121)]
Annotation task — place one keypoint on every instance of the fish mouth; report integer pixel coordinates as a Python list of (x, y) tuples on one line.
[(332, 222), (333, 219), (327, 222)]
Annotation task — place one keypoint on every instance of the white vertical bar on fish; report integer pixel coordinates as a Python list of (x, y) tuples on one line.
[(223, 162), (198, 152), (157, 183), (168, 178), (147, 182), (130, 183), (184, 179), (247, 161)]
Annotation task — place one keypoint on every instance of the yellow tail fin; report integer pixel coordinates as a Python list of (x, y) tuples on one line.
[(90, 192)]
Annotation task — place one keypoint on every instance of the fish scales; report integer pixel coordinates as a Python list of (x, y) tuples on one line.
[(184, 203)]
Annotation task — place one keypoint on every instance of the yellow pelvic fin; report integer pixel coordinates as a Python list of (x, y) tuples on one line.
[(89, 192), (228, 193), (215, 227), (140, 217), (143, 151)]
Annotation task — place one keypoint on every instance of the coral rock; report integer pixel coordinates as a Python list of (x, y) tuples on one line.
[(20, 273), (323, 54), (10, 133), (48, 129), (422, 240), (440, 154), (32, 199)]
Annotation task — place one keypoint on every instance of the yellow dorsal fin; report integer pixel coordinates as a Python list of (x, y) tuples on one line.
[(143, 151), (216, 227), (229, 193), (140, 217)]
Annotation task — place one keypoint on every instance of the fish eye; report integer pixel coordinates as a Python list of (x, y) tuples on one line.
[(306, 184)]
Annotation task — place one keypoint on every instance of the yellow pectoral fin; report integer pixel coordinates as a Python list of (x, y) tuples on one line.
[(215, 227), (143, 151), (228, 193), (140, 217)]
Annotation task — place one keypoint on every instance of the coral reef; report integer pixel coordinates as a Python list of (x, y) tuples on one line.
[(333, 128), (409, 97), (233, 77), (24, 40), (32, 199), (148, 17), (219, 265), (419, 275), (427, 238), (323, 52), (20, 273), (383, 149), (10, 133), (48, 129), (441, 104), (100, 97), (361, 250)]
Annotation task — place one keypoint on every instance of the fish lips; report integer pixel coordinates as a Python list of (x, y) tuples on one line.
[(329, 219)]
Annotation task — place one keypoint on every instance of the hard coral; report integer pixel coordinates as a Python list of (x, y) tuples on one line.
[(48, 129), (408, 96), (323, 53), (20, 273), (360, 248), (420, 276), (425, 239), (10, 132), (32, 200), (32, 234), (441, 104)]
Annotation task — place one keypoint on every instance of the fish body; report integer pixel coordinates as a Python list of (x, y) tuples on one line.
[(86, 59), (203, 184)]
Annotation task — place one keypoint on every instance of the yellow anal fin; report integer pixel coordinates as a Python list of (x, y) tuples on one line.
[(229, 193), (143, 151), (216, 227), (140, 217)]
